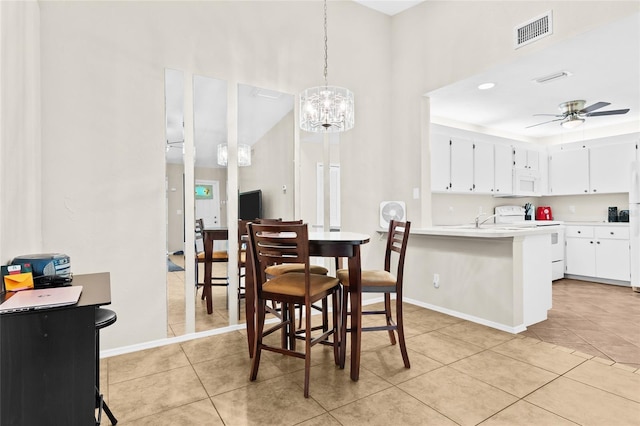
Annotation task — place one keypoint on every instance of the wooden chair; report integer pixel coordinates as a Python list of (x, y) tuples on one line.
[(285, 268), (277, 244), (218, 256), (383, 281)]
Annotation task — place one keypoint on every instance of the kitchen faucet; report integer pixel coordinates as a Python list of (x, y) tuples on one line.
[(478, 223)]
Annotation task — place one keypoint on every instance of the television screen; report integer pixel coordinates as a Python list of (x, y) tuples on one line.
[(250, 205)]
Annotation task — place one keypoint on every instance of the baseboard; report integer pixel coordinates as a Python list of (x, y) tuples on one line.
[(509, 329)]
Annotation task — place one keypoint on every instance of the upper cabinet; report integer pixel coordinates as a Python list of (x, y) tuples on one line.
[(483, 167), (465, 162), (594, 167), (609, 167), (461, 165), (503, 169), (569, 172), (440, 163), (524, 158)]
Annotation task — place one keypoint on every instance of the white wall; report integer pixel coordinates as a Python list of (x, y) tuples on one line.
[(102, 68), (20, 155), (103, 101)]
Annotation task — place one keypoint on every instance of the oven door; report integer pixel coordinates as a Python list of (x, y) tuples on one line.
[(557, 253)]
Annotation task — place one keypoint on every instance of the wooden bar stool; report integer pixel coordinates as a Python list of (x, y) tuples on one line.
[(104, 318)]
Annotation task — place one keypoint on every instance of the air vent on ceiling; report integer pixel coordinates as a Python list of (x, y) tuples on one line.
[(271, 95), (533, 30)]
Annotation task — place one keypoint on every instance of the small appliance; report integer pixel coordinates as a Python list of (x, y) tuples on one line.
[(544, 213), (613, 214), (623, 216), (49, 269)]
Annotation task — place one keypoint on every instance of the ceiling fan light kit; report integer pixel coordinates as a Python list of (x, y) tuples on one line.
[(572, 122), (573, 113)]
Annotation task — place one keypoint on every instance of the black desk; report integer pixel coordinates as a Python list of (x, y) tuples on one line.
[(47, 360)]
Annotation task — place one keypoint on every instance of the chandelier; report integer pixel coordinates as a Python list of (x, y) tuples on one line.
[(244, 155), (326, 108)]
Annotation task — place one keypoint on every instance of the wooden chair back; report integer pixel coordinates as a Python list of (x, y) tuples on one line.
[(397, 240), (275, 244)]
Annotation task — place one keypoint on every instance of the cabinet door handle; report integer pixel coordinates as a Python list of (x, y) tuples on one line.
[(611, 232), (590, 242), (579, 232), (598, 242)]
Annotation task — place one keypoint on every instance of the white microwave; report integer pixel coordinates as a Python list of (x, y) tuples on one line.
[(526, 182)]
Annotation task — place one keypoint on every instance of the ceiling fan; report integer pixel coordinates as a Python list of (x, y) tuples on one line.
[(573, 113)]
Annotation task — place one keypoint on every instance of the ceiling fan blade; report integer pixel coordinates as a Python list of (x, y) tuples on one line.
[(611, 112), (593, 107), (548, 115), (540, 124)]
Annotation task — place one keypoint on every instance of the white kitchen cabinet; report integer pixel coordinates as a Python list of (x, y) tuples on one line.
[(569, 172), (503, 169), (524, 158), (613, 253), (609, 167), (580, 251), (461, 165), (483, 167), (600, 252), (440, 163)]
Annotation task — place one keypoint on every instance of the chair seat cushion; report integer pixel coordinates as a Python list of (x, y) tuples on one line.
[(220, 255), (285, 268), (372, 280), (292, 284)]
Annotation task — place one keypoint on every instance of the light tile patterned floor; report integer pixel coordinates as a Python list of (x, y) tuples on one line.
[(598, 319), (462, 373)]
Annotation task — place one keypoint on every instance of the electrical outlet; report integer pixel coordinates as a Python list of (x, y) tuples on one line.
[(436, 280)]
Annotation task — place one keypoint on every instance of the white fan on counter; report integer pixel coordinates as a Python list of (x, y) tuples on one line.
[(392, 210)]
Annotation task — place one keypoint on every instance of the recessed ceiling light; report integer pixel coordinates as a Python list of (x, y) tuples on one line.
[(486, 86)]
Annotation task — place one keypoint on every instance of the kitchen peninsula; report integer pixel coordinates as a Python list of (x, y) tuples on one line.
[(498, 276)]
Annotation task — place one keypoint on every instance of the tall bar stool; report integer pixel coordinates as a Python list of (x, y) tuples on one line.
[(104, 318)]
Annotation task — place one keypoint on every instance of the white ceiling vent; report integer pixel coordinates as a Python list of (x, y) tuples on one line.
[(533, 30)]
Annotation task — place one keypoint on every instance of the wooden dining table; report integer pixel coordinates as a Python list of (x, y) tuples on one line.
[(324, 244)]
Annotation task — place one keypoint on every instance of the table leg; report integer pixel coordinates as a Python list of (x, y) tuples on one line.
[(208, 272), (355, 294)]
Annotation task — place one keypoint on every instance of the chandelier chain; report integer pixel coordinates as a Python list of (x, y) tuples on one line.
[(326, 55)]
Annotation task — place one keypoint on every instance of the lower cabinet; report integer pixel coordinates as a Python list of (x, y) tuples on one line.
[(598, 252)]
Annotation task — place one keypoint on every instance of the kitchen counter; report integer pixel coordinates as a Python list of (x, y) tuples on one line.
[(497, 275), (485, 230), (595, 223)]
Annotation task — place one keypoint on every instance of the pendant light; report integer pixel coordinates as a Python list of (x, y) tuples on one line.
[(244, 155), (326, 108)]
